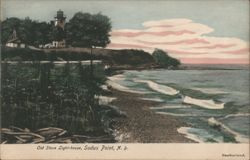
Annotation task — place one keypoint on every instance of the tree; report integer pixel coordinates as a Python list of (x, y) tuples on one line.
[(28, 31), (41, 33), (34, 32), (164, 60), (57, 34), (87, 30), (90, 31), (7, 27), (25, 31)]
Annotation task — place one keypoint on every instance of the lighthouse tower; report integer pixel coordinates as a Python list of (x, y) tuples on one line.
[(60, 19), (59, 22)]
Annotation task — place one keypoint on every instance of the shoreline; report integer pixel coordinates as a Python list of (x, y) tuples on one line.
[(143, 125)]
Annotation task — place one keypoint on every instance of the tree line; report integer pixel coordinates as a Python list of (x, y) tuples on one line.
[(164, 60), (28, 31), (82, 30)]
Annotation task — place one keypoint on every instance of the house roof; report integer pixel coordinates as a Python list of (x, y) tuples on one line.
[(15, 40)]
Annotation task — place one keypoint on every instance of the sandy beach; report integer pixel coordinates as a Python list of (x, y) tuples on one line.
[(142, 125)]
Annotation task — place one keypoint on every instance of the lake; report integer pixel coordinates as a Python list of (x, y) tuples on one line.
[(215, 103)]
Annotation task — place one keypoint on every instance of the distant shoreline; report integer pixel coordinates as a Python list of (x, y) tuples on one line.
[(124, 59), (215, 66)]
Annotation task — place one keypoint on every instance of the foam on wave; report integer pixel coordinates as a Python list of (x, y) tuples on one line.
[(209, 90), (122, 88), (116, 77), (184, 130), (159, 88), (104, 100), (236, 115), (197, 138), (171, 107), (153, 99), (176, 114), (238, 137), (209, 104)]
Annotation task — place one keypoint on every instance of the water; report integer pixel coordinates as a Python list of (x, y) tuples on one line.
[(228, 89)]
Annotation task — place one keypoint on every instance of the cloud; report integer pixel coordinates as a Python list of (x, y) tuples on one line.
[(183, 39)]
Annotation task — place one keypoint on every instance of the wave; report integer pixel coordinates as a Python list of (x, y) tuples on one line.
[(170, 107), (122, 88), (198, 138), (104, 87), (209, 90), (209, 104), (159, 88), (238, 137), (236, 115), (104, 100), (118, 77), (184, 130), (153, 99), (175, 114)]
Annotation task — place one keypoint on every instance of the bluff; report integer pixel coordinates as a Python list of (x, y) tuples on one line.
[(124, 58)]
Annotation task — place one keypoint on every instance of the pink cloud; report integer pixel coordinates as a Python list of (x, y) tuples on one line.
[(188, 41), (240, 51), (183, 39), (165, 26), (121, 46), (184, 52), (165, 33), (191, 41), (167, 22), (217, 46)]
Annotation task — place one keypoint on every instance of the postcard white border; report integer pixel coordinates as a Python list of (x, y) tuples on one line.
[(159, 151), (133, 151)]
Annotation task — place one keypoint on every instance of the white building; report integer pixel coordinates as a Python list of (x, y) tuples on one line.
[(59, 44), (14, 42)]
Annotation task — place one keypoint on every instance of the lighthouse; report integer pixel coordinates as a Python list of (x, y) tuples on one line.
[(59, 22), (60, 19)]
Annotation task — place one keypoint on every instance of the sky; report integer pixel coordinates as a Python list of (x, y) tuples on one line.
[(194, 31)]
